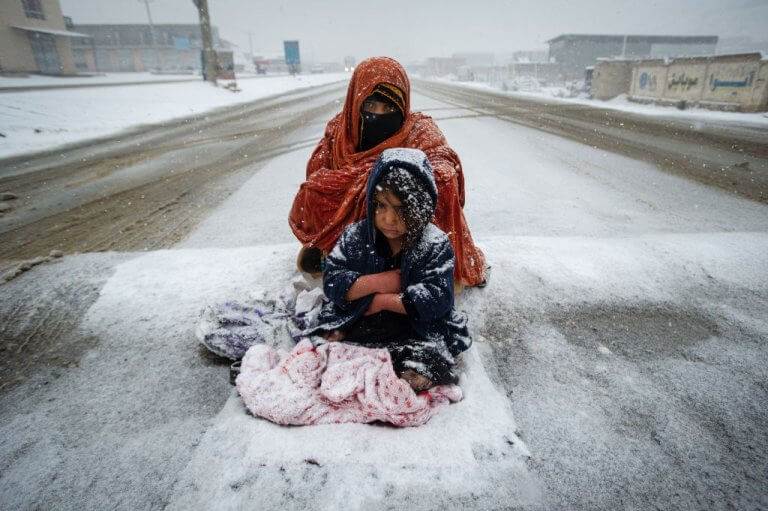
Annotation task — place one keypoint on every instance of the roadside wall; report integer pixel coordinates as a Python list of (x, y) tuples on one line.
[(685, 80), (611, 78), (649, 79), (727, 82)]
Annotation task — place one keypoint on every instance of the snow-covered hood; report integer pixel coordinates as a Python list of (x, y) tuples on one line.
[(412, 160)]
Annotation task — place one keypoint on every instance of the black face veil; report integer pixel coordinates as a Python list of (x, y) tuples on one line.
[(376, 128)]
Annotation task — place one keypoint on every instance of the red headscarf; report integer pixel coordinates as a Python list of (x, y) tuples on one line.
[(333, 196)]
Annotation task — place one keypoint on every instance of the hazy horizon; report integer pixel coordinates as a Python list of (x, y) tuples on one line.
[(412, 31)]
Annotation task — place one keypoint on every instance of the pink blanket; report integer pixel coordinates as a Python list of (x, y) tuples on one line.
[(333, 383)]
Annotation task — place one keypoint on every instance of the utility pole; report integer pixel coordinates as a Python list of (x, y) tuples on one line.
[(158, 61), (250, 45), (209, 55)]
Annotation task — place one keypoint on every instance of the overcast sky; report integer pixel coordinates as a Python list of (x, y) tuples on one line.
[(414, 29)]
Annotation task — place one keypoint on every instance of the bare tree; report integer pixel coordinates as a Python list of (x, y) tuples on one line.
[(209, 55)]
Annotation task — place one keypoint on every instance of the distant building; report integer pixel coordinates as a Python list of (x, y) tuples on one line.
[(476, 59), (442, 66), (274, 65), (173, 47), (732, 45), (575, 52), (543, 72), (34, 38), (528, 56)]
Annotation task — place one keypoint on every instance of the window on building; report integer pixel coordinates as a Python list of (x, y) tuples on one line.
[(33, 9)]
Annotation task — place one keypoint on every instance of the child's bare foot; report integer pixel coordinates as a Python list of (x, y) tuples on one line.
[(418, 382)]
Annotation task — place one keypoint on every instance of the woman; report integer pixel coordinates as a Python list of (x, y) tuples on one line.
[(377, 116)]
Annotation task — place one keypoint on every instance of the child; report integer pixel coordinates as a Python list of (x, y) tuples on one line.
[(389, 279)]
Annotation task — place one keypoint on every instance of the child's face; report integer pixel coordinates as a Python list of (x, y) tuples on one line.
[(389, 215)]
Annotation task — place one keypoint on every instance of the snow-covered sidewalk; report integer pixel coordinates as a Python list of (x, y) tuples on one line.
[(42, 120), (22, 82)]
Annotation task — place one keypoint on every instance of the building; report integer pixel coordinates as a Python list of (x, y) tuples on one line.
[(275, 65), (523, 56), (475, 59), (734, 45), (542, 72), (575, 52), (442, 66), (34, 38), (169, 47)]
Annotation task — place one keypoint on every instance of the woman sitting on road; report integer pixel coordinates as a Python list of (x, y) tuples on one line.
[(377, 116)]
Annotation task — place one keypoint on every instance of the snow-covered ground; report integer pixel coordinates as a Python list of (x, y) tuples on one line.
[(556, 416), (43, 120), (109, 78), (621, 103), (96, 79)]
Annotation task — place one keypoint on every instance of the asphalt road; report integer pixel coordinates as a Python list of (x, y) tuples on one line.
[(147, 188), (719, 153), (624, 322)]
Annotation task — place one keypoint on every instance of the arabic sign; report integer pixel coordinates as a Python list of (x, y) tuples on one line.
[(682, 81), (715, 83), (648, 81)]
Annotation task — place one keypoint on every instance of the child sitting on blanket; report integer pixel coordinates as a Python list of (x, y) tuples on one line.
[(389, 279)]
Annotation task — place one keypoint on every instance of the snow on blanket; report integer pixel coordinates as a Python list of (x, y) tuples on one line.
[(334, 383)]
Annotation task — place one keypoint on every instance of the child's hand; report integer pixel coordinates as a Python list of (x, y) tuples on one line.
[(375, 306), (388, 281), (385, 282), (386, 302)]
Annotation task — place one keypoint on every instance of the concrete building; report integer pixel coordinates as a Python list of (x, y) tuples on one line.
[(523, 56), (442, 66), (475, 59), (575, 52), (34, 38), (172, 47), (542, 72)]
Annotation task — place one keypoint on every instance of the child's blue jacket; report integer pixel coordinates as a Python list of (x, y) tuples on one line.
[(426, 270)]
